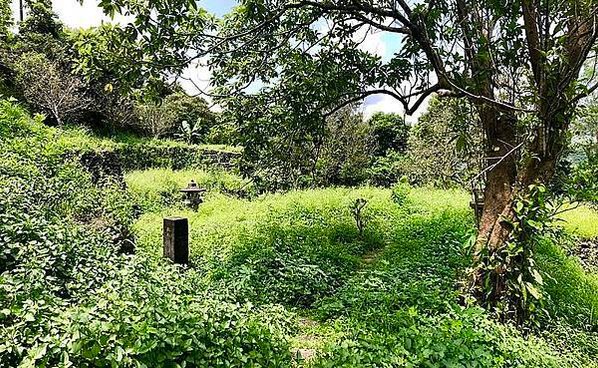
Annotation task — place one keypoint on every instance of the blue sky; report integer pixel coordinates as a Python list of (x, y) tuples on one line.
[(218, 7)]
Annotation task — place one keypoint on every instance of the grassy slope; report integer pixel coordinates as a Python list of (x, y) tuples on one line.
[(386, 298), (81, 138)]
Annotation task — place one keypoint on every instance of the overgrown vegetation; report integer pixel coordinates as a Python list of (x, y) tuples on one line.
[(323, 238), (69, 295), (386, 298)]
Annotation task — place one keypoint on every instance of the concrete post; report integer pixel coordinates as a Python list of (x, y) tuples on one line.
[(176, 239)]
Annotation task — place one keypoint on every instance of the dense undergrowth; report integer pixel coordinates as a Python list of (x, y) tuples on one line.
[(69, 297), (388, 297), (272, 280)]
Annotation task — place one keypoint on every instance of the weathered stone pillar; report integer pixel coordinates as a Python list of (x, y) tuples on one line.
[(176, 239)]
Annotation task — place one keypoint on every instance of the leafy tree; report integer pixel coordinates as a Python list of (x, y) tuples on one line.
[(518, 62), (51, 89), (154, 119), (390, 132), (191, 109), (347, 149), (6, 21), (6, 39), (41, 20), (37, 66), (445, 145), (585, 127), (579, 179), (224, 131)]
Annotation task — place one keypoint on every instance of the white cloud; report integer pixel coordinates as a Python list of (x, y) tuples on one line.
[(76, 15), (385, 103), (372, 41)]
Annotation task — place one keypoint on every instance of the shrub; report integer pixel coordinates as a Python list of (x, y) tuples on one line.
[(69, 297)]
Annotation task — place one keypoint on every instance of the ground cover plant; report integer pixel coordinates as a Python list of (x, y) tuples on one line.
[(70, 296), (389, 297)]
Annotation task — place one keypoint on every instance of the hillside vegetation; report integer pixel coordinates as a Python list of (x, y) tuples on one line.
[(278, 280)]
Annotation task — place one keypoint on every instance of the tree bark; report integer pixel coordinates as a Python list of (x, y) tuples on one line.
[(498, 193)]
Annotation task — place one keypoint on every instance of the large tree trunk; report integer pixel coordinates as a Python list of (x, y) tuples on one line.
[(499, 194), (500, 180), (505, 183)]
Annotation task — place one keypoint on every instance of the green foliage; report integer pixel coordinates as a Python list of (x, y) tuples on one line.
[(345, 150), (136, 153), (195, 112), (390, 133), (223, 131), (6, 20), (155, 189), (340, 150), (68, 295), (462, 338), (120, 48), (50, 89), (387, 170), (582, 184), (513, 265), (400, 193), (387, 297), (41, 20), (176, 115), (189, 132), (290, 249), (572, 293), (445, 146)]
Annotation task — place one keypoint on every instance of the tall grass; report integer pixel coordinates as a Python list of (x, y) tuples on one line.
[(159, 188)]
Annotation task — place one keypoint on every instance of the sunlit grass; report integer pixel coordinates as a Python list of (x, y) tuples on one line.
[(81, 138), (581, 221), (156, 188)]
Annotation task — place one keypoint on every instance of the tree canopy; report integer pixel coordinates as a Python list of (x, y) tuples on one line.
[(288, 64)]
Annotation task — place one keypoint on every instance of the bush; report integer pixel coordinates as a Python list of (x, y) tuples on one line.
[(69, 297)]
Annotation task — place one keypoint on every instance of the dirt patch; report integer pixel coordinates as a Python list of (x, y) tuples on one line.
[(372, 256), (587, 251)]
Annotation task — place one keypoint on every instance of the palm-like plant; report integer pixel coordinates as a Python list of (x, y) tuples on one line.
[(189, 133)]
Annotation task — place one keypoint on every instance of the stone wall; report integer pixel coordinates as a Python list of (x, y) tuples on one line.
[(111, 164)]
